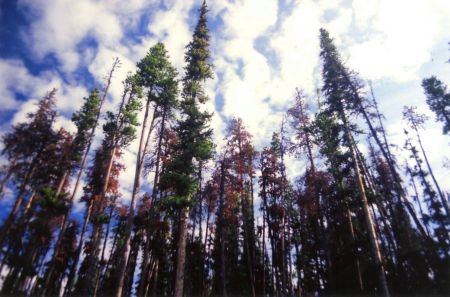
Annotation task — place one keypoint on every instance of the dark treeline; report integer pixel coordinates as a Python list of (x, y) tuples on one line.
[(203, 221)]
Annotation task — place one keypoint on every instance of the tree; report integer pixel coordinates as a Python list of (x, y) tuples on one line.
[(336, 89), (416, 121), (159, 78), (438, 99), (86, 121), (194, 136), (28, 142), (119, 131)]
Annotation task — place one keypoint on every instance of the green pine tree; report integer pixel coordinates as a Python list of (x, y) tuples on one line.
[(194, 135), (438, 99)]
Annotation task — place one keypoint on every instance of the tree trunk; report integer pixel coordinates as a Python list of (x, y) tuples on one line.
[(73, 268), (390, 160), (222, 229), (129, 224), (7, 224), (181, 252), (65, 220), (7, 176), (441, 195), (365, 205)]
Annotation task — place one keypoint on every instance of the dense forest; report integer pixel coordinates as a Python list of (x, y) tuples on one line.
[(208, 220)]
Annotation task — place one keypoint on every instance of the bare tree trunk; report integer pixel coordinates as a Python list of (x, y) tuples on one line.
[(441, 195), (129, 224), (206, 248), (158, 156), (181, 252), (264, 255), (100, 275), (7, 224), (358, 266), (73, 268), (222, 229), (7, 176), (370, 227), (416, 192), (385, 151)]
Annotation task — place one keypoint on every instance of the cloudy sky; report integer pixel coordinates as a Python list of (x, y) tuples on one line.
[(261, 49)]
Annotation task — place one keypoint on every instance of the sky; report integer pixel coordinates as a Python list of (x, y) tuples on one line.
[(262, 50)]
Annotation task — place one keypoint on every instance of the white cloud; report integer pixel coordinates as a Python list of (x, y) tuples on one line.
[(260, 54), (397, 36)]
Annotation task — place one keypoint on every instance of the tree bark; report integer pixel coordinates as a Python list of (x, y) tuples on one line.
[(181, 252), (129, 224), (369, 223)]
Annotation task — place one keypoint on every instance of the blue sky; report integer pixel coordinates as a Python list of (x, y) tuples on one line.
[(262, 50)]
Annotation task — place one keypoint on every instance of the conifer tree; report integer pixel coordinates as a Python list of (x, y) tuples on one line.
[(28, 142), (438, 99), (119, 131), (85, 120), (194, 136), (336, 89), (158, 76), (416, 121)]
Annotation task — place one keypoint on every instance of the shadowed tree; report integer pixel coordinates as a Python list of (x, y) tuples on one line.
[(416, 121), (336, 90), (438, 99)]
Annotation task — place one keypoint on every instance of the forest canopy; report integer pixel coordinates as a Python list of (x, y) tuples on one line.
[(138, 191)]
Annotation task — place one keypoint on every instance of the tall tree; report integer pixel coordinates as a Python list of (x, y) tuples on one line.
[(28, 142), (336, 89), (119, 131), (194, 136), (159, 78), (85, 120)]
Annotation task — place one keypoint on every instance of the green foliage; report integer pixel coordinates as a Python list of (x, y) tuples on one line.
[(85, 119), (194, 143), (158, 76), (174, 203), (120, 129), (197, 56), (52, 204), (438, 99)]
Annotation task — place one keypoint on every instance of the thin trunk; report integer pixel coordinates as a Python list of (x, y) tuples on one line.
[(158, 156), (155, 279), (65, 221), (365, 205), (264, 255), (357, 264), (299, 284), (7, 176), (129, 224), (206, 248), (441, 195), (73, 268), (416, 192), (7, 224), (283, 219), (145, 265), (247, 245), (100, 275), (222, 228), (385, 151), (181, 252), (244, 209)]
